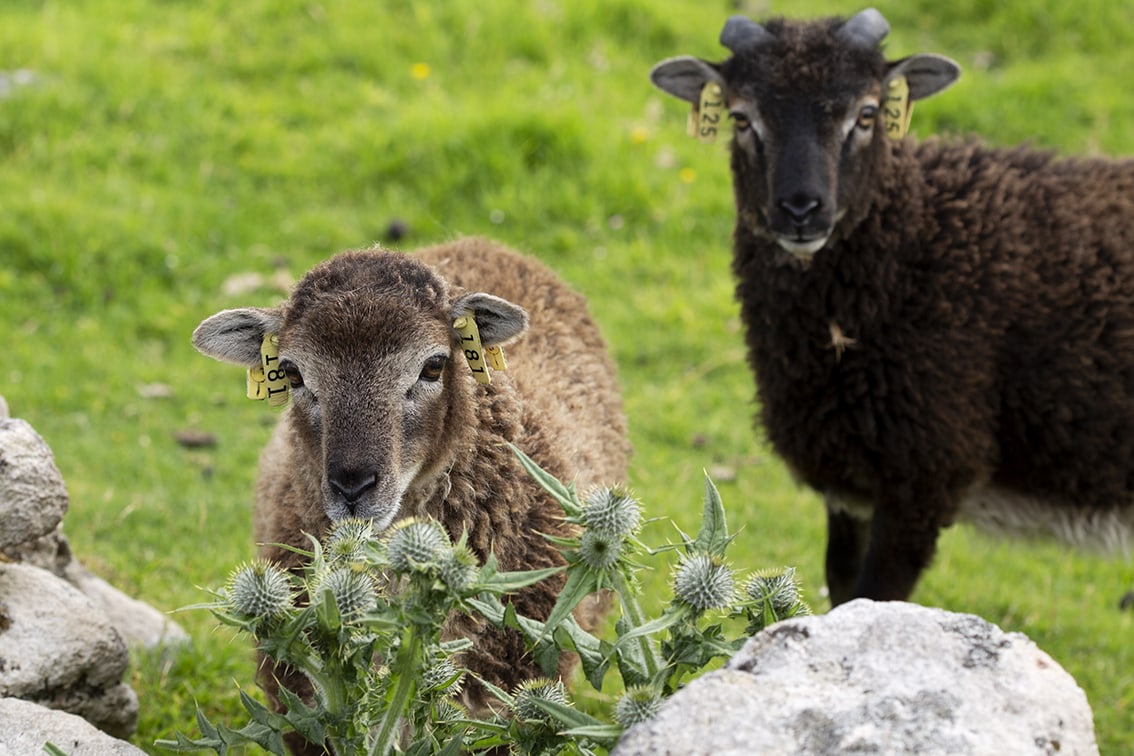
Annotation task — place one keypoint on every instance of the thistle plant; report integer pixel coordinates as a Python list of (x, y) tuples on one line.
[(375, 657), (363, 622)]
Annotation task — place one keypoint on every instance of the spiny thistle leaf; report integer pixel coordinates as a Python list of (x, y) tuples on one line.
[(305, 719), (580, 584), (669, 618), (565, 495), (713, 536)]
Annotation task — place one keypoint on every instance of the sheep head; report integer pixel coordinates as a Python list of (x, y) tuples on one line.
[(806, 104), (378, 379)]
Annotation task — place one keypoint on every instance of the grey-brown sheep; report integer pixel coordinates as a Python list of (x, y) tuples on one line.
[(939, 331), (387, 420)]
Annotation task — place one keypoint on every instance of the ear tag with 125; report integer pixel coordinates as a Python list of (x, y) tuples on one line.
[(897, 108), (705, 120)]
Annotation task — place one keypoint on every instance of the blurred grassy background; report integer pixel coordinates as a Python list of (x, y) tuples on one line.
[(153, 150)]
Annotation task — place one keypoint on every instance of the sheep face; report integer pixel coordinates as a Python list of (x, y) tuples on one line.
[(806, 101), (376, 372)]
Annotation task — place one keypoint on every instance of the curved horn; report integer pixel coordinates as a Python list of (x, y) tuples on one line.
[(865, 29), (740, 32)]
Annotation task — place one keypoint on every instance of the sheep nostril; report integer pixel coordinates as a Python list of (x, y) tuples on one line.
[(352, 485), (800, 207)]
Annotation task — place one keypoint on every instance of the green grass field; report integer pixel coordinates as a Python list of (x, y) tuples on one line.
[(151, 151)]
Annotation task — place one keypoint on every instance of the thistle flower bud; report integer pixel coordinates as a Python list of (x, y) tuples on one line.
[(459, 568), (600, 550), (777, 587), (347, 540), (259, 590), (638, 703), (539, 688), (612, 511), (353, 590), (448, 711), (415, 542), (703, 582), (442, 674)]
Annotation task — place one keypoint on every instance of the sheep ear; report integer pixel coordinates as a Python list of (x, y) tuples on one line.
[(235, 335), (498, 320), (927, 74), (684, 77)]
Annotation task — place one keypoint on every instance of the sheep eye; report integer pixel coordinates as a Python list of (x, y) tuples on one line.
[(740, 121), (867, 116), (432, 369), (291, 372)]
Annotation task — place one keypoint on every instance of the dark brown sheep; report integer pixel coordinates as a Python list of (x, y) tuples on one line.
[(939, 331), (387, 420)]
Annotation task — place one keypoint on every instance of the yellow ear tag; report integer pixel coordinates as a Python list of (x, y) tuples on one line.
[(708, 114), (474, 351), (495, 357), (275, 382), (256, 380), (897, 109)]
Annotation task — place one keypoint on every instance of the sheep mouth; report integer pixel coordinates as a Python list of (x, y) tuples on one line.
[(381, 510), (382, 517), (801, 246)]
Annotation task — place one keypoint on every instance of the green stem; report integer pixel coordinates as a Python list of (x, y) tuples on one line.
[(635, 618), (405, 672)]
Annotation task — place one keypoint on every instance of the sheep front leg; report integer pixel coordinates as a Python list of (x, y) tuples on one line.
[(848, 535), (903, 541)]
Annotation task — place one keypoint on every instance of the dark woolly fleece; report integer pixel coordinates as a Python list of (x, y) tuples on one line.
[(982, 301)]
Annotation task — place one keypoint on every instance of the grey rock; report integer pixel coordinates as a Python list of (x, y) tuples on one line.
[(876, 678), (28, 727), (33, 498), (58, 649), (139, 624), (51, 552)]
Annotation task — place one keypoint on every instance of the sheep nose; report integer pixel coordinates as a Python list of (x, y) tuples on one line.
[(352, 484), (800, 207)]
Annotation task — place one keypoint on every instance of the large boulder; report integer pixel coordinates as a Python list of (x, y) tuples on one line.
[(59, 650), (33, 498), (876, 678), (28, 727)]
